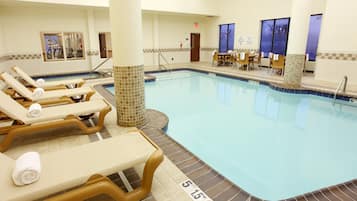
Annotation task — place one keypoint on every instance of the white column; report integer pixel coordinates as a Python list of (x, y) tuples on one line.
[(298, 33), (93, 41), (155, 37), (128, 60)]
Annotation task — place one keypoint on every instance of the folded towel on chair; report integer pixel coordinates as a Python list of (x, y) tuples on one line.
[(307, 57), (242, 56), (262, 54), (27, 169), (38, 92), (40, 82), (271, 55), (34, 110), (214, 52), (276, 57)]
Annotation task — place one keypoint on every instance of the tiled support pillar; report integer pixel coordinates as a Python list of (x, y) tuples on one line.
[(126, 24), (129, 92), (298, 32), (293, 70)]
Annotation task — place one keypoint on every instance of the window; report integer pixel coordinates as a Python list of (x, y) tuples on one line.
[(313, 37), (274, 36), (62, 46), (74, 45), (53, 47), (226, 37)]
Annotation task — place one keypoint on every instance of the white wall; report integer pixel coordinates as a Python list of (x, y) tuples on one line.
[(200, 7), (3, 62), (23, 25), (338, 35), (22, 28), (247, 16), (2, 47)]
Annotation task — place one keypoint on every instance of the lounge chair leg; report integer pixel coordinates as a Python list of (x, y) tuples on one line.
[(22, 130), (89, 95), (96, 185)]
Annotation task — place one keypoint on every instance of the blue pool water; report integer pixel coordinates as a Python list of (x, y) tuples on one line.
[(274, 145), (89, 75)]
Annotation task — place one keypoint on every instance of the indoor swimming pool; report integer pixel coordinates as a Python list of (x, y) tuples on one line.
[(273, 145)]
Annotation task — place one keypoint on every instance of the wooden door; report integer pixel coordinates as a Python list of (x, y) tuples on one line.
[(195, 46), (102, 45)]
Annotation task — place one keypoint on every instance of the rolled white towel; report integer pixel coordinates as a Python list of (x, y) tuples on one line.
[(38, 92), (40, 82), (276, 57), (27, 169), (242, 55), (307, 57), (34, 110)]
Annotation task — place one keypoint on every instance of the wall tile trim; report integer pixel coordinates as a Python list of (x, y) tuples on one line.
[(337, 56)]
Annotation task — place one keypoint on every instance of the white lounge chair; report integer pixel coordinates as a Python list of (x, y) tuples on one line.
[(48, 97), (84, 169), (50, 117), (48, 84)]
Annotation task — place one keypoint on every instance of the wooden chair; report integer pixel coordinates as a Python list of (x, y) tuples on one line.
[(258, 60), (278, 63), (214, 57), (243, 61)]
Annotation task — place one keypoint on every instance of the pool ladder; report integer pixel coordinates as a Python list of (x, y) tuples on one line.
[(161, 66), (342, 83), (103, 73)]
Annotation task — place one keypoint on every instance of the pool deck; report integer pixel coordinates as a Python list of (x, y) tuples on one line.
[(180, 164), (265, 75)]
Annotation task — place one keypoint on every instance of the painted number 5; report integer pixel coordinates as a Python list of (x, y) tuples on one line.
[(198, 194), (186, 184)]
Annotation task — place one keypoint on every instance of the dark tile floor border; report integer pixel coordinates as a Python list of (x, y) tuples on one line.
[(212, 182)]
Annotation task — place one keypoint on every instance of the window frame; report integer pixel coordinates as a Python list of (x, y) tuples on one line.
[(227, 41), (272, 41), (61, 34)]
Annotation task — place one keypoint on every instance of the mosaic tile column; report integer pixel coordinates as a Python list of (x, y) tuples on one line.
[(298, 32), (128, 69)]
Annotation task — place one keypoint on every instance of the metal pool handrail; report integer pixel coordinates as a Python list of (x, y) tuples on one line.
[(101, 64), (344, 82), (161, 56)]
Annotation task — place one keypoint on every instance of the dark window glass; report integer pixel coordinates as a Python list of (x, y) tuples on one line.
[(281, 32), (266, 44), (231, 37), (274, 36), (223, 36), (313, 37), (226, 37)]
